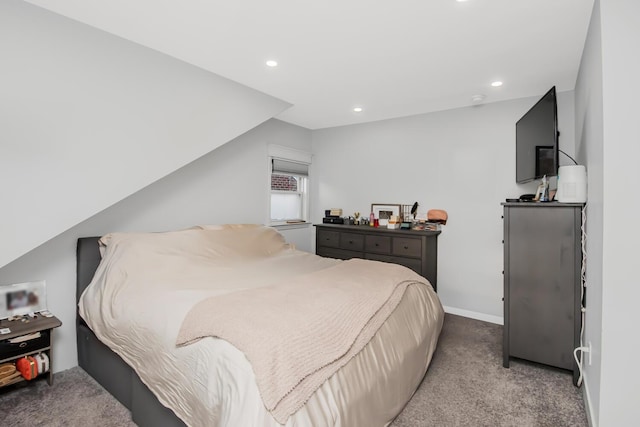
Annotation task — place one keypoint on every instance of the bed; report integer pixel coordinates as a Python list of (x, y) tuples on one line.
[(144, 297)]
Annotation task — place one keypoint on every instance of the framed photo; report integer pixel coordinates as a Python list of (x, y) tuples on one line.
[(22, 298), (383, 211)]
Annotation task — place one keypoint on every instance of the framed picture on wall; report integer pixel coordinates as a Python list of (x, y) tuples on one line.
[(21, 298), (383, 211)]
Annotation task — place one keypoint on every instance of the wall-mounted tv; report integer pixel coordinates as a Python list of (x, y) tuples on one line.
[(537, 140)]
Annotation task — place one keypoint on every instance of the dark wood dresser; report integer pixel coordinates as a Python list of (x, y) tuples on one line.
[(417, 250), (542, 283)]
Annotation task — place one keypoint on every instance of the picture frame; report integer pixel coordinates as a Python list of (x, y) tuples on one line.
[(22, 298), (383, 212)]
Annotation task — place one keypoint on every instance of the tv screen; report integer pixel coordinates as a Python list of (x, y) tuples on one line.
[(537, 140)]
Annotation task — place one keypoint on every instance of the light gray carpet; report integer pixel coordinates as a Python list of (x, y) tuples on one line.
[(75, 399), (466, 385)]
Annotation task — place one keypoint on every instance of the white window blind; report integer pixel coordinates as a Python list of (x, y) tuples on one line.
[(289, 167), (289, 199)]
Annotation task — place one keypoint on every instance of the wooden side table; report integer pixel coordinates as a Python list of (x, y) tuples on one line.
[(11, 352)]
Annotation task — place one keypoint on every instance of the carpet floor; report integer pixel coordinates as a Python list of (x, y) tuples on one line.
[(465, 385)]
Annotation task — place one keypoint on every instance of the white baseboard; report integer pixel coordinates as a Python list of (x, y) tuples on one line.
[(591, 419), (474, 315)]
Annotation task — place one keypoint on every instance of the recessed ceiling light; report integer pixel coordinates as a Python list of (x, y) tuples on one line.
[(272, 63), (496, 84), (357, 109), (476, 99)]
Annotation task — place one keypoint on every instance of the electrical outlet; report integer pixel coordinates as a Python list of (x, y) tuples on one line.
[(590, 350)]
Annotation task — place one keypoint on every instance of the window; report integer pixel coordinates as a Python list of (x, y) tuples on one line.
[(289, 187)]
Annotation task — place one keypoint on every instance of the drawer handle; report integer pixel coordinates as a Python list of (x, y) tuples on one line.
[(351, 242), (406, 247), (23, 344), (377, 244)]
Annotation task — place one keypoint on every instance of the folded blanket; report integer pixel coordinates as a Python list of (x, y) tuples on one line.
[(298, 333)]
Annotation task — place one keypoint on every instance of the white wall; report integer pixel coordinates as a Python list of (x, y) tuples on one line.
[(460, 160), (589, 149), (619, 398), (606, 116), (228, 185), (87, 118)]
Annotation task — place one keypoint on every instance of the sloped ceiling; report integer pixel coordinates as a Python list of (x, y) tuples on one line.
[(393, 58), (88, 118)]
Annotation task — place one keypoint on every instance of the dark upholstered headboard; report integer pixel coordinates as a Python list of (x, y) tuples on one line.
[(94, 357), (87, 260)]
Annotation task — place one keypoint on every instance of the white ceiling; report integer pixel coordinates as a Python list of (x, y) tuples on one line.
[(393, 58)]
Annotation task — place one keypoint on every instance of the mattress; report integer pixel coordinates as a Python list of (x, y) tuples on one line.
[(136, 308)]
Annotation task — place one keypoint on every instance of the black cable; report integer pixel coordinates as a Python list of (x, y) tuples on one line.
[(568, 156)]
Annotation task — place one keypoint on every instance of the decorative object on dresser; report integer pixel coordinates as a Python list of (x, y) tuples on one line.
[(437, 216), (417, 250), (333, 216), (408, 219), (394, 222), (383, 212), (542, 283), (408, 216)]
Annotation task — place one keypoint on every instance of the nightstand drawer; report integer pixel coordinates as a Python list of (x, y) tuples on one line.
[(352, 241), (327, 238), (407, 246), (8, 349), (377, 244)]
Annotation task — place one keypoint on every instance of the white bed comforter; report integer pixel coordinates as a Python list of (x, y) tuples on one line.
[(137, 311)]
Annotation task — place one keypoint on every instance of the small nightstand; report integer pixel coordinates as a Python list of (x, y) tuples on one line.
[(10, 352)]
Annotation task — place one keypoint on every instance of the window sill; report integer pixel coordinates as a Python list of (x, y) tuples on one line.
[(290, 226)]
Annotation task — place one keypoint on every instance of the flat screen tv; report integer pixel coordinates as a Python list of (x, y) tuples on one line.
[(537, 140)]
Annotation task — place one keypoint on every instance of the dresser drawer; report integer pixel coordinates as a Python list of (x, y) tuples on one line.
[(414, 264), (337, 253), (352, 241), (416, 250), (377, 244), (328, 238), (407, 246), (8, 350)]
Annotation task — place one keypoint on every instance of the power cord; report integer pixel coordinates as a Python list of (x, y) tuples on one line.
[(582, 350), (583, 284), (572, 159)]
